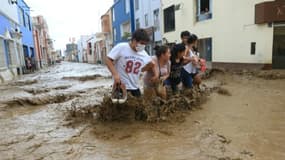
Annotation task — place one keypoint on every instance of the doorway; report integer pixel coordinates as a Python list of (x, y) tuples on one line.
[(278, 57)]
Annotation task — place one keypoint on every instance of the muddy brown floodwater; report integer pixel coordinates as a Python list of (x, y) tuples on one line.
[(61, 113)]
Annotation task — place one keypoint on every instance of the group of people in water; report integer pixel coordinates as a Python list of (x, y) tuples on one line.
[(166, 70)]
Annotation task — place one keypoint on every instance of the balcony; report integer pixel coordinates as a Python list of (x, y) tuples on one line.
[(268, 12)]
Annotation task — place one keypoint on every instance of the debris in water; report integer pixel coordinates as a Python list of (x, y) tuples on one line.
[(139, 109), (223, 139), (83, 78), (271, 75), (35, 91), (24, 82), (224, 91), (40, 100)]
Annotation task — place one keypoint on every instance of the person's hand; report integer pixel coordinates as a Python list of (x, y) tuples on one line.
[(196, 60), (117, 79)]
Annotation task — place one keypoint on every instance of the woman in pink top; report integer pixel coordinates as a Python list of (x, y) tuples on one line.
[(161, 59)]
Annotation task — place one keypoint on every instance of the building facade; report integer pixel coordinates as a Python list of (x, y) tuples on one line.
[(82, 48), (91, 49), (42, 42), (123, 23), (71, 52), (11, 53), (26, 28), (104, 41), (147, 16), (229, 34)]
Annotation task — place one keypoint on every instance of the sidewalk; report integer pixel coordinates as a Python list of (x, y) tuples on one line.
[(7, 74)]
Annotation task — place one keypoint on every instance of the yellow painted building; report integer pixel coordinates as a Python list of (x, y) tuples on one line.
[(232, 33)]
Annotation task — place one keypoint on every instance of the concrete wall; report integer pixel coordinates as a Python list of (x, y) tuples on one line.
[(232, 30)]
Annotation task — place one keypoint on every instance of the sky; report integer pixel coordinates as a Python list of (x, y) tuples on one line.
[(70, 18)]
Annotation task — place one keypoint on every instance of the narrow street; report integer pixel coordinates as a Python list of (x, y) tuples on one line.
[(245, 120)]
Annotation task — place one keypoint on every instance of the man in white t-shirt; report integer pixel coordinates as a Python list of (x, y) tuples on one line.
[(127, 60)]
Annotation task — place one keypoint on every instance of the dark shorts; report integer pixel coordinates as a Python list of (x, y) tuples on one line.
[(135, 92), (173, 83), (186, 78)]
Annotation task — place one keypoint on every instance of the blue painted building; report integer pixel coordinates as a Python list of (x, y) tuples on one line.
[(5, 25), (10, 41), (122, 20), (25, 21)]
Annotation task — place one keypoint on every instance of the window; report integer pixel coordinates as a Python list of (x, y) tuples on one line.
[(169, 19), (20, 53), (205, 48), (126, 30), (156, 20), (204, 9), (2, 54), (252, 48), (29, 23), (12, 60), (26, 51), (137, 23), (113, 10), (146, 20), (8, 51), (22, 18), (27, 20), (32, 52), (115, 34), (127, 6), (137, 7), (89, 48)]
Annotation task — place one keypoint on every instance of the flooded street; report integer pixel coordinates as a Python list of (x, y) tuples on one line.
[(242, 118)]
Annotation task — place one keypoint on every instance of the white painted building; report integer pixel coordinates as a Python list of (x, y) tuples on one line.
[(91, 49), (232, 33), (82, 48), (9, 9), (147, 16)]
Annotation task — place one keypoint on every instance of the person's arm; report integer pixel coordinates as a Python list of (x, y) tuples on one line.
[(112, 69), (151, 66), (148, 66), (155, 77), (111, 57), (187, 60)]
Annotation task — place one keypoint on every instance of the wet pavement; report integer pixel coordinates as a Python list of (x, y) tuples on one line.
[(51, 115)]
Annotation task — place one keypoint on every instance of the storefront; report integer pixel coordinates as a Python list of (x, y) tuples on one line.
[(273, 13)]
